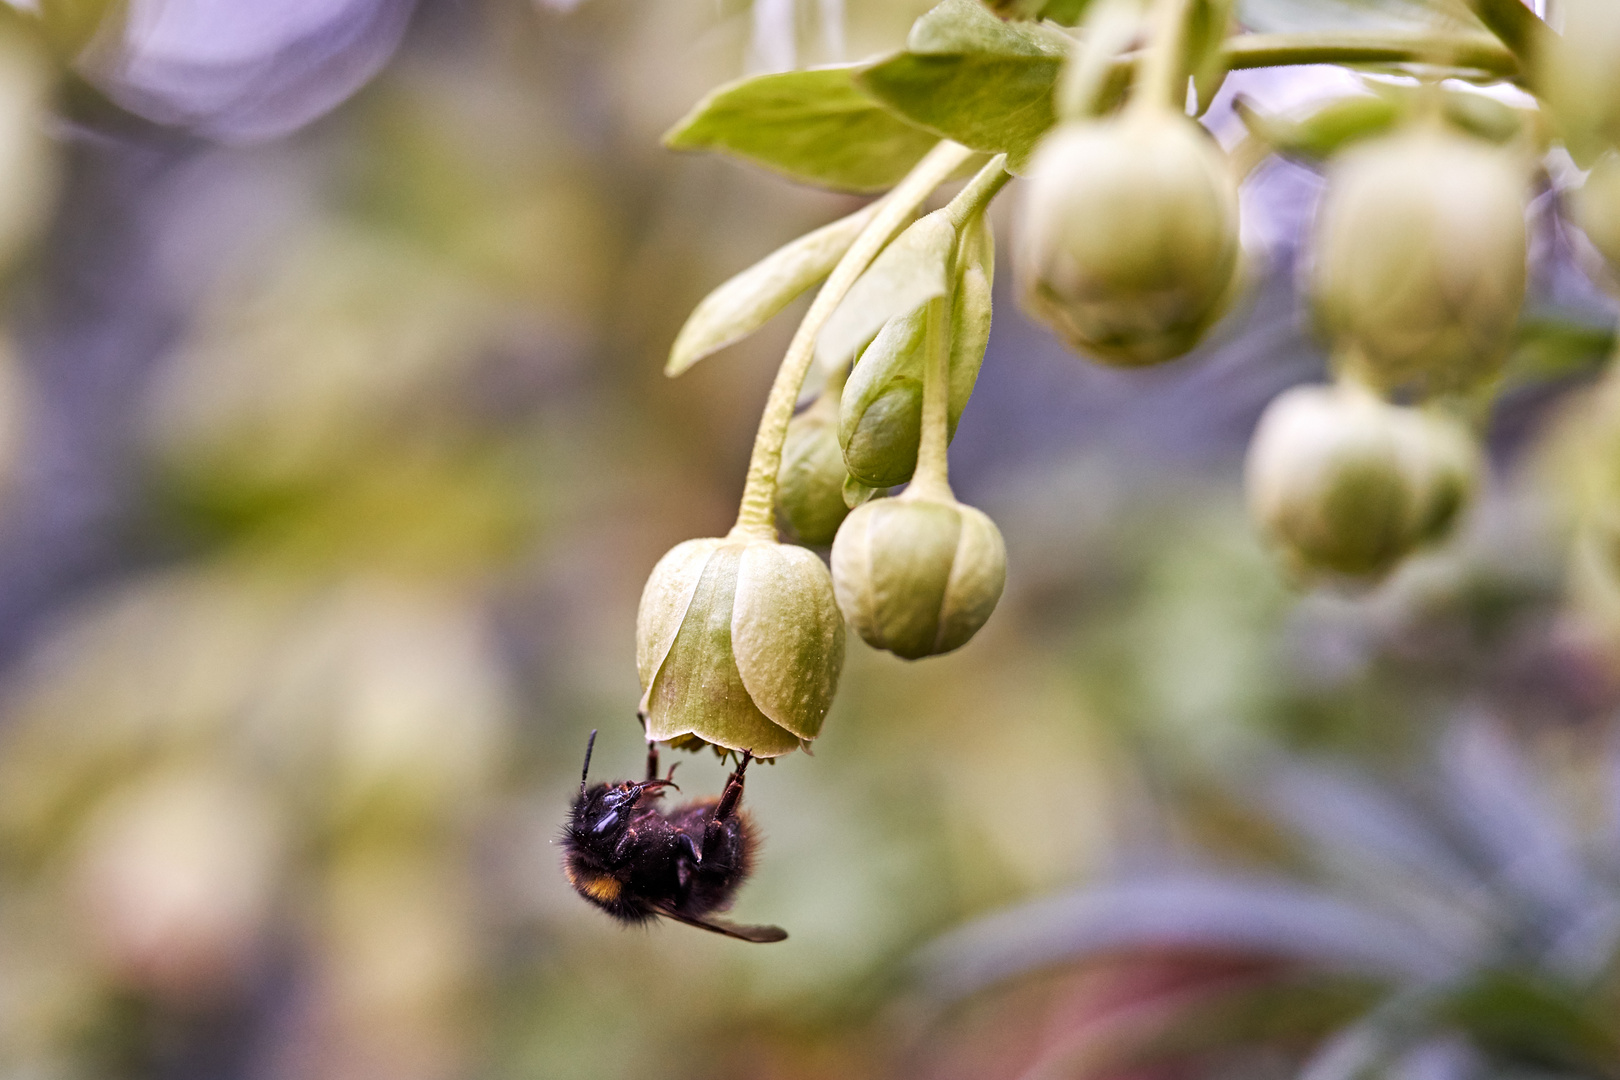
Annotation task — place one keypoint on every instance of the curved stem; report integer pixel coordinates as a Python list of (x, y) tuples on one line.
[(972, 199), (1476, 52), (1518, 27), (756, 515), (931, 480), (1162, 78)]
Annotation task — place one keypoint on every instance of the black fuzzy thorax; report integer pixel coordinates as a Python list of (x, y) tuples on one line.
[(632, 860)]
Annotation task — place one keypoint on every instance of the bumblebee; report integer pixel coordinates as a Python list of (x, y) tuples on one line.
[(636, 862)]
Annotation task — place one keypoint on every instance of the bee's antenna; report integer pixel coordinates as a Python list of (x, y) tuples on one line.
[(590, 744)]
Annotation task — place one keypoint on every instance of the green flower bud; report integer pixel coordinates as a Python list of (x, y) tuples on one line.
[(1129, 236), (810, 486), (738, 642), (1596, 208), (1344, 482), (1420, 258), (918, 576), (1576, 75), (880, 413)]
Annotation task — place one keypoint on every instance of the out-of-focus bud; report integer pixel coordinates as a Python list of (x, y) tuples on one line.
[(810, 485), (1346, 483), (738, 642), (1596, 207), (1575, 71), (1420, 257), (918, 576), (176, 877), (1128, 243)]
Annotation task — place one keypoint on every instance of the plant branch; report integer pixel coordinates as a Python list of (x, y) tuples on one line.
[(1162, 78), (757, 514), (1477, 52), (1519, 28)]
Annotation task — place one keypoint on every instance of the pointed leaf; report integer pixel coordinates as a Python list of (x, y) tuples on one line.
[(815, 125), (910, 272), (968, 76), (747, 301), (970, 313)]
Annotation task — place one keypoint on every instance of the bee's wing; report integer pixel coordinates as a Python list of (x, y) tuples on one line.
[(759, 934)]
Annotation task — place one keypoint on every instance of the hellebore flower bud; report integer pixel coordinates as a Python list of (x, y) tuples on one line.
[(1420, 257), (810, 486), (918, 575), (1345, 482), (1596, 208), (1129, 236), (1576, 73), (880, 413), (739, 642)]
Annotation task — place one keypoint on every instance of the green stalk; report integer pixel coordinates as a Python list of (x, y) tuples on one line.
[(756, 517), (1162, 79), (1476, 52), (931, 478), (1517, 26)]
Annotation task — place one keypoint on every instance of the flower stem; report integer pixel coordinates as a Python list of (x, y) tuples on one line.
[(931, 478), (1162, 79), (1475, 52), (756, 515)]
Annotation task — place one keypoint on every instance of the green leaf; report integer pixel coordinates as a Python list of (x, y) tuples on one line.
[(1335, 125), (749, 300), (970, 313), (857, 493), (1327, 130), (815, 126), (1067, 12), (910, 272), (1553, 346), (968, 76)]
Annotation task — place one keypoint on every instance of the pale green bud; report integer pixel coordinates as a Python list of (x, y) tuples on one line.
[(918, 576), (1596, 208), (738, 642), (1575, 72), (810, 486), (1420, 258), (1344, 482), (1129, 236)]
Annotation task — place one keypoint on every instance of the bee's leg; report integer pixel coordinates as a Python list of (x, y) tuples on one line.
[(729, 798), (652, 748)]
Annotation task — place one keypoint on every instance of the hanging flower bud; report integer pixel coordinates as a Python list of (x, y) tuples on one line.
[(1347, 483), (1129, 236), (810, 486), (1596, 207), (1576, 74), (1420, 257), (918, 576), (738, 642)]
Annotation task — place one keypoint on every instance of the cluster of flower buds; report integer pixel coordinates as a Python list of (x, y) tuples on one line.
[(1418, 275), (740, 639)]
